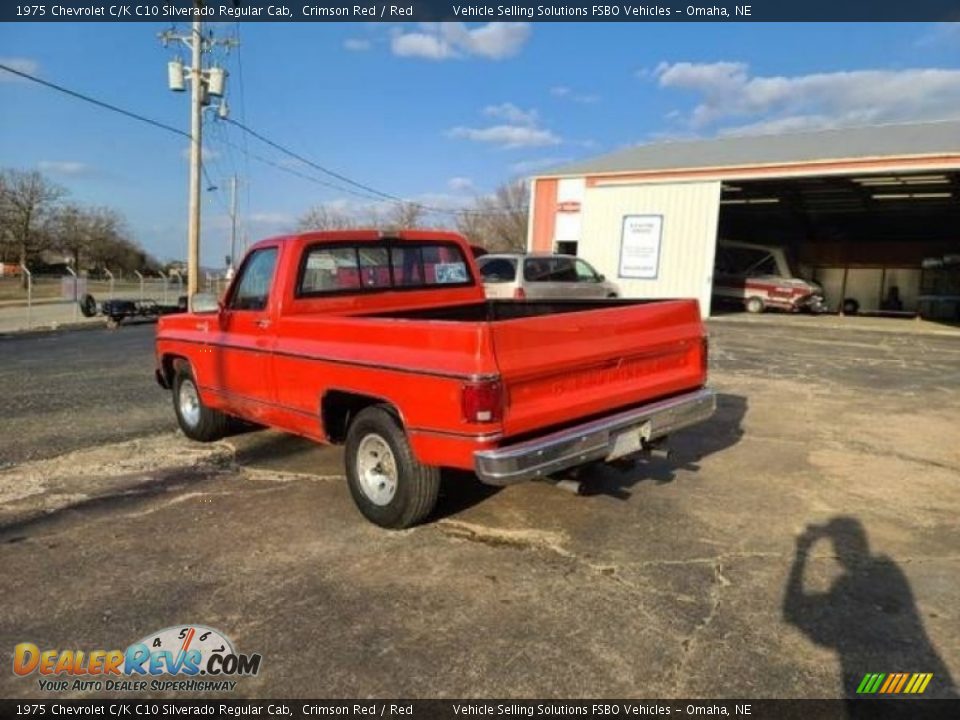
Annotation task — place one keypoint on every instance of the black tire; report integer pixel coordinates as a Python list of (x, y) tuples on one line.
[(416, 486), (850, 306), (755, 305), (88, 306), (208, 425)]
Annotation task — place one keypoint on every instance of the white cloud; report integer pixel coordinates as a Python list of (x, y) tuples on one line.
[(727, 91), (507, 136), (460, 184), (430, 47), (511, 114), (31, 67), (519, 128), (70, 168), (525, 167), (567, 93), (270, 218), (357, 44), (443, 41)]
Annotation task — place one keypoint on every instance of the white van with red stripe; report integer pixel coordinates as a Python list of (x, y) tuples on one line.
[(758, 277)]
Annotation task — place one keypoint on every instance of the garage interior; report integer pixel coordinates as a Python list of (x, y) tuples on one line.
[(888, 242)]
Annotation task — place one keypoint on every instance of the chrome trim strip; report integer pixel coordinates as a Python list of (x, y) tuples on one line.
[(472, 377), (591, 441)]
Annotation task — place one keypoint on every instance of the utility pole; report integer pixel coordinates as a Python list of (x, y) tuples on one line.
[(197, 91), (203, 85), (233, 221)]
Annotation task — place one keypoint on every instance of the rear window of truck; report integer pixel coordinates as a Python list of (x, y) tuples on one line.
[(333, 268)]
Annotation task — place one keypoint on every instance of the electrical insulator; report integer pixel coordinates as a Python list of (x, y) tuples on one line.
[(216, 81), (175, 75), (223, 111)]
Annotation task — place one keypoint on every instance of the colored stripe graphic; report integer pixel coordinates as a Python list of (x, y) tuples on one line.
[(894, 683)]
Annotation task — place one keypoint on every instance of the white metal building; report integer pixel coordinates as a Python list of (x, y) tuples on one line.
[(858, 209)]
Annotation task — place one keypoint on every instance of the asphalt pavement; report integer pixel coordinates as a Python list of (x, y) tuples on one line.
[(72, 389), (805, 535)]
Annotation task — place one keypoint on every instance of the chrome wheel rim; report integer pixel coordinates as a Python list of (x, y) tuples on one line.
[(189, 403), (376, 469)]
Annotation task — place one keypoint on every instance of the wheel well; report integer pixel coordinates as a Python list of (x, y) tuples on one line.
[(169, 365), (338, 408)]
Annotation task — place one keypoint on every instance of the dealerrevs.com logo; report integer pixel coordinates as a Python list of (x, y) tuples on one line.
[(184, 657)]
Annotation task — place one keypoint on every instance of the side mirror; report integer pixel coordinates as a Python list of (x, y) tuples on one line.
[(205, 303), (601, 277)]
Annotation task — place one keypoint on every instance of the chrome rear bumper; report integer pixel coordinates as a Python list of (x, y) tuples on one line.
[(591, 441)]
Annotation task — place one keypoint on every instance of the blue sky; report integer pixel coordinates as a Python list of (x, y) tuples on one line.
[(434, 113)]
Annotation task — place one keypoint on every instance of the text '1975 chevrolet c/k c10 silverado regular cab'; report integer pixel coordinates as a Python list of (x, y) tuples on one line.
[(386, 344)]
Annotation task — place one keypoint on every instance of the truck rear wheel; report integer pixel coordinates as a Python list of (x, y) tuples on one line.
[(389, 486), (196, 420)]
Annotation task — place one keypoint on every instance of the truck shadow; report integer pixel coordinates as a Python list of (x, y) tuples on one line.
[(723, 430), (459, 491)]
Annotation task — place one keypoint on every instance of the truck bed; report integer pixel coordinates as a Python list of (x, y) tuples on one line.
[(603, 354)]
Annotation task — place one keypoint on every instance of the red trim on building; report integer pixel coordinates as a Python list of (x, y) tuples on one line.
[(544, 214), (891, 165)]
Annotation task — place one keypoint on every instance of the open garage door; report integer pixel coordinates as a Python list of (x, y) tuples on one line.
[(876, 244)]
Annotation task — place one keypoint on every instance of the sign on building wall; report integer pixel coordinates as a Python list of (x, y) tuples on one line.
[(640, 246)]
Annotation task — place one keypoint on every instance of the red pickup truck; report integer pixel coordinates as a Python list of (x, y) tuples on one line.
[(386, 344)]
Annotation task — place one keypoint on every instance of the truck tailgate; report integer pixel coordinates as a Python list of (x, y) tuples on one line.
[(557, 368)]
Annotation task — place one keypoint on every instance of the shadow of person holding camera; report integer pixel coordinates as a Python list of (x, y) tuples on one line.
[(868, 615)]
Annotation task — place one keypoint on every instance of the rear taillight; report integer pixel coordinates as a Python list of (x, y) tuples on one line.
[(482, 402), (519, 294)]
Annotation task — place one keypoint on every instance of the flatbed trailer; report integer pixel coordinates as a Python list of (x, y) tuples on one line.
[(117, 310)]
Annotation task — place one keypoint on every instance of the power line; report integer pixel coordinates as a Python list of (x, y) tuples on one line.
[(369, 193), (315, 166), (94, 101), (381, 195), (303, 176)]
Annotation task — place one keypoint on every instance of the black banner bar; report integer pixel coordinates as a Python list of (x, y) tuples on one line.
[(134, 707), (463, 10)]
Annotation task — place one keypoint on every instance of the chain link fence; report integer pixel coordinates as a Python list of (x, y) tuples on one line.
[(36, 300)]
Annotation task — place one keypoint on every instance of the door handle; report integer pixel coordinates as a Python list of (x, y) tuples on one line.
[(263, 324)]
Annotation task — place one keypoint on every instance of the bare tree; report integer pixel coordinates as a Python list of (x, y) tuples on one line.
[(498, 222), (71, 232), (324, 217), (405, 216), (26, 203), (96, 239)]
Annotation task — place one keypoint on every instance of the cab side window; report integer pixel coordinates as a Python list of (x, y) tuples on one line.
[(256, 277)]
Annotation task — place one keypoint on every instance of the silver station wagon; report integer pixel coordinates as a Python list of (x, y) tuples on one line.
[(517, 275)]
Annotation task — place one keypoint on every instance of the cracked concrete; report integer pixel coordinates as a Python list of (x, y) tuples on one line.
[(672, 579)]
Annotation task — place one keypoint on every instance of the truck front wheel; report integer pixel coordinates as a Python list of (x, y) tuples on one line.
[(196, 420), (390, 487)]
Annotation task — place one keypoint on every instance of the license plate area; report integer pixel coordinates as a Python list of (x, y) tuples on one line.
[(628, 441)]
